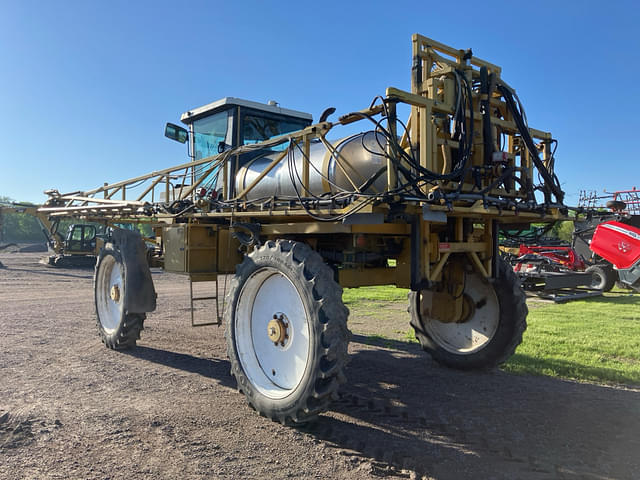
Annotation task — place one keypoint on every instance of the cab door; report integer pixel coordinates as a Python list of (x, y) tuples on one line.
[(81, 239)]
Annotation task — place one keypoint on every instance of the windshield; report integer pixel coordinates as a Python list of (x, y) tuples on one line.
[(210, 132), (258, 128)]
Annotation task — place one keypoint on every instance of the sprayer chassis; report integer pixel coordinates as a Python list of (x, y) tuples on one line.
[(435, 233)]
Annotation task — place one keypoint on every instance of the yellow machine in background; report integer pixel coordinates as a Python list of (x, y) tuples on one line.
[(295, 216), (79, 246)]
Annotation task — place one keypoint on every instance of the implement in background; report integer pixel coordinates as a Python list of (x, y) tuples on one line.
[(78, 248)]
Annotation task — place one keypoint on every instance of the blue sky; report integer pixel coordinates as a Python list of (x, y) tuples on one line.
[(86, 87)]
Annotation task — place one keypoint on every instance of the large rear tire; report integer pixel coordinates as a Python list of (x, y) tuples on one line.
[(490, 333), (286, 331), (117, 328)]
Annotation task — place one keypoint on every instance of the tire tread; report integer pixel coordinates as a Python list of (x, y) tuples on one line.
[(128, 332), (328, 308), (513, 309)]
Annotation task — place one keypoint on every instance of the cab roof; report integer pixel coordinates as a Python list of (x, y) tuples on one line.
[(222, 104)]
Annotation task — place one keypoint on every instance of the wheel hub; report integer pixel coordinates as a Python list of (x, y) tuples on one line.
[(115, 293), (277, 329)]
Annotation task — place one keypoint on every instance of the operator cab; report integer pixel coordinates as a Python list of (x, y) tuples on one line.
[(231, 122), (81, 239)]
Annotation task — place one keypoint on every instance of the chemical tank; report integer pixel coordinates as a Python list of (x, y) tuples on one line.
[(353, 161)]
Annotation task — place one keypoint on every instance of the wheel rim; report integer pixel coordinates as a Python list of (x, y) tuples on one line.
[(477, 331), (597, 280), (272, 334), (109, 293)]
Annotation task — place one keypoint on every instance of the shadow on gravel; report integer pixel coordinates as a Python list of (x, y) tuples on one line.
[(400, 412), (404, 412), (54, 272), (211, 368), (377, 341)]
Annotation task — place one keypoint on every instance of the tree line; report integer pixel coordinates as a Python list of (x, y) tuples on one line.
[(19, 227)]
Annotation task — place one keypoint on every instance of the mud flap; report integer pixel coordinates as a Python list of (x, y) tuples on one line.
[(140, 294), (631, 276)]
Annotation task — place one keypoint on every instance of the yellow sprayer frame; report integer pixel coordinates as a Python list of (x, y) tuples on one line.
[(426, 251)]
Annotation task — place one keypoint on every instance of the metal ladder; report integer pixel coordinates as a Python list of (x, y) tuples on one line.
[(199, 278)]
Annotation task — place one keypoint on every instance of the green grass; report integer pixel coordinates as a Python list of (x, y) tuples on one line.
[(410, 336), (596, 339), (356, 296)]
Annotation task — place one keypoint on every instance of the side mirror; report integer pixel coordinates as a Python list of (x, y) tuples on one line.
[(174, 132)]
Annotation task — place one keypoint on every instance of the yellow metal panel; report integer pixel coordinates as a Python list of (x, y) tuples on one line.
[(333, 228), (229, 254), (383, 229), (201, 248), (304, 228)]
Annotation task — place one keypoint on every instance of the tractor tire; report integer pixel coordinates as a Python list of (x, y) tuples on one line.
[(616, 205), (603, 277), (118, 329), (286, 331), (492, 332)]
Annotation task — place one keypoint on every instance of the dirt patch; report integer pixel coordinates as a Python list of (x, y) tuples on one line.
[(71, 408), (17, 431)]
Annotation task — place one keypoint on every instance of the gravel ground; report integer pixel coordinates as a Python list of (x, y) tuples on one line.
[(71, 408)]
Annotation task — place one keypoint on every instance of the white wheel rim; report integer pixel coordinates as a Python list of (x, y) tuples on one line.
[(475, 333), (109, 305), (275, 370)]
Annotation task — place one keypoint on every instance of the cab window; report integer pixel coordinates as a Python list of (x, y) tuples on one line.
[(258, 128), (77, 233), (209, 133)]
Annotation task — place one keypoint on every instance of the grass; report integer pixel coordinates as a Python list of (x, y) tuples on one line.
[(596, 339), (374, 301), (355, 296)]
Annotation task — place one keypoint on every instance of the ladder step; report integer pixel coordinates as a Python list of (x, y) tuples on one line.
[(204, 278), (217, 323)]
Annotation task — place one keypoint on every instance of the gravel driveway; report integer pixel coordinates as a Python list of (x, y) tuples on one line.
[(71, 408)]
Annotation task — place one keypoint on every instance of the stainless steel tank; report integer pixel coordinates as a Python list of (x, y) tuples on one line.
[(352, 163)]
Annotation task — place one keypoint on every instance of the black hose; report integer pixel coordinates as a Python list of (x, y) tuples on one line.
[(551, 184)]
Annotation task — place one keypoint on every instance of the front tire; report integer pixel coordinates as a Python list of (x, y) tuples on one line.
[(117, 328), (491, 333), (286, 331)]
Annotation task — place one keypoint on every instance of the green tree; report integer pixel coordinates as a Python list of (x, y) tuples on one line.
[(563, 230), (19, 227)]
